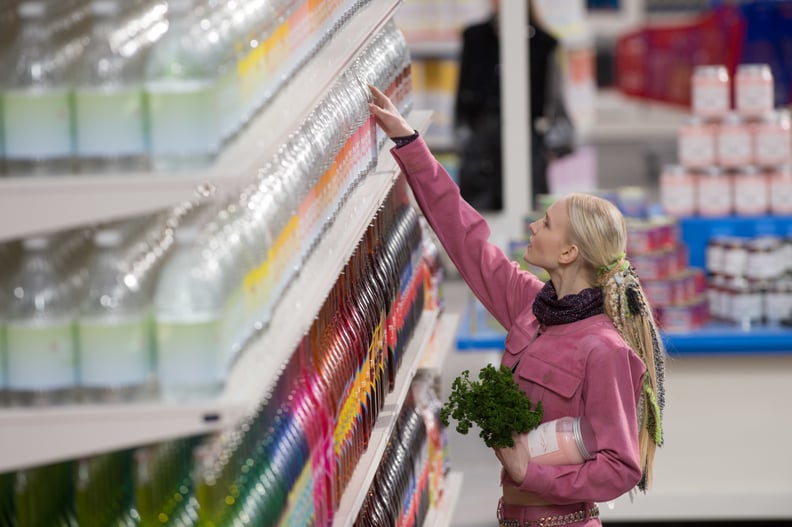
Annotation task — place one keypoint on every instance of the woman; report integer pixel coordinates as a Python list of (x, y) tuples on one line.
[(584, 344), (477, 109)]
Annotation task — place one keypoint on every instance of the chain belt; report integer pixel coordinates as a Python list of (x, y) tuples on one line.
[(552, 521)]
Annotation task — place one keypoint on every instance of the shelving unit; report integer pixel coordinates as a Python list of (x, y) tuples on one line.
[(28, 206), (36, 205), (477, 331), (26, 434), (355, 493)]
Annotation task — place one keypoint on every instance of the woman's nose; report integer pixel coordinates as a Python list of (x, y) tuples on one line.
[(532, 227)]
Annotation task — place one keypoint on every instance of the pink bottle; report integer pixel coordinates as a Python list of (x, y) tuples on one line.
[(564, 441)]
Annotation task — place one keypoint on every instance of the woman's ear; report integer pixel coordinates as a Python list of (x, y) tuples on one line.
[(569, 254)]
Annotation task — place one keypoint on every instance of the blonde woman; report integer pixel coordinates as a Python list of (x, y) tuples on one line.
[(584, 343)]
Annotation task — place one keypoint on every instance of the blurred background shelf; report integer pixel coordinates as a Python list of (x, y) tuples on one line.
[(479, 331)]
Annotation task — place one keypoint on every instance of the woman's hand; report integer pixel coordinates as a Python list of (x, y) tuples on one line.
[(387, 116), (515, 459)]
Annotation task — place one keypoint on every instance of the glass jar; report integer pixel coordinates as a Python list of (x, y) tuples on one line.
[(765, 258), (714, 254), (735, 256), (780, 182), (678, 191), (714, 196), (747, 301), (751, 192), (753, 90), (717, 297), (696, 143), (710, 91), (778, 301), (733, 142), (772, 139), (563, 441)]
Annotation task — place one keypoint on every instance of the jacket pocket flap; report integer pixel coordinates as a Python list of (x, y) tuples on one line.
[(550, 376), (517, 340)]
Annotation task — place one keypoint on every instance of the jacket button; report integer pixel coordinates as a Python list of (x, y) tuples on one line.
[(547, 377)]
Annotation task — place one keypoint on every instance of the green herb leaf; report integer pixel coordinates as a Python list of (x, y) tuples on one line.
[(494, 403)]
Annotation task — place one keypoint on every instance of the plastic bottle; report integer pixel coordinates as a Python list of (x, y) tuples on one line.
[(42, 358), (108, 100), (3, 377), (37, 113), (114, 328), (181, 87), (188, 305), (563, 441)]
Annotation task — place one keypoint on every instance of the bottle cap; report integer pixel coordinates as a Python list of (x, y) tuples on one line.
[(108, 237), (32, 9), (105, 8), (36, 243)]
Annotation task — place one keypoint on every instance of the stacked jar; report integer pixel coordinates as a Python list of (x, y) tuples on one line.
[(750, 279), (675, 290), (732, 160)]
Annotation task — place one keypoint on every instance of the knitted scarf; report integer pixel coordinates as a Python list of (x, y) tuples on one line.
[(551, 311)]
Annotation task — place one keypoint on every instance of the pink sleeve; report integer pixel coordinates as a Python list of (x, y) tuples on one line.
[(610, 391), (498, 282)]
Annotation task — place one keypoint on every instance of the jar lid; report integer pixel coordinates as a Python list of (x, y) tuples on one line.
[(711, 70), (754, 69)]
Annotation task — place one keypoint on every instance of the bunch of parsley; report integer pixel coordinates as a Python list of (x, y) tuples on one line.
[(495, 403)]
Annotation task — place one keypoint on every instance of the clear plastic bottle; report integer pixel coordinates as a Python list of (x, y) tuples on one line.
[(40, 332), (37, 113), (114, 328), (3, 377), (188, 311), (181, 76), (108, 99), (563, 441), (9, 260)]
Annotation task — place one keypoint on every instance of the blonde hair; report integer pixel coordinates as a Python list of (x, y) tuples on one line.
[(599, 231)]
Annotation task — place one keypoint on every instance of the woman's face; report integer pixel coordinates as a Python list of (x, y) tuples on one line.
[(549, 237)]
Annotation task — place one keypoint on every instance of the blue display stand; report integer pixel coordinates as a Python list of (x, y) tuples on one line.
[(477, 331), (696, 231)]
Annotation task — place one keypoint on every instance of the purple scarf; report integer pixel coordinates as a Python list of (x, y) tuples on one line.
[(551, 311)]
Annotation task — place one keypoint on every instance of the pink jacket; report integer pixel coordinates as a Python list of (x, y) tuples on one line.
[(578, 369)]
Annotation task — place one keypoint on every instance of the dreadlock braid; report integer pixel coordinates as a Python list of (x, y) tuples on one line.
[(599, 231)]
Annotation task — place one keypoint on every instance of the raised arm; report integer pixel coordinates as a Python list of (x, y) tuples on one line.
[(498, 282)]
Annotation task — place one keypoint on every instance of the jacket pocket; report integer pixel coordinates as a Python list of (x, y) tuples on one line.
[(555, 386)]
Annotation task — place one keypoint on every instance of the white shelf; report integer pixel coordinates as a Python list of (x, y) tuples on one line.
[(26, 435), (441, 343), (42, 204), (443, 513), (363, 476), (620, 118)]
